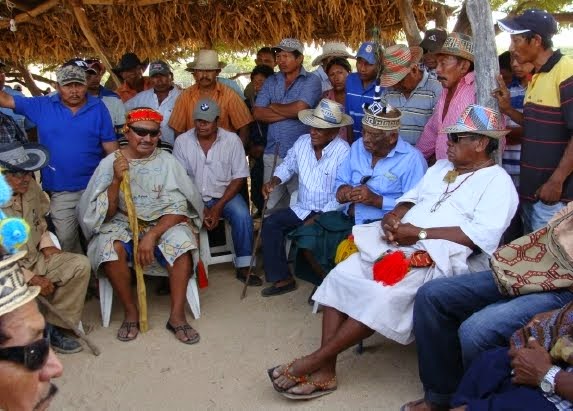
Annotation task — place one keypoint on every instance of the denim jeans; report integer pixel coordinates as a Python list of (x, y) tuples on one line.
[(236, 212), (535, 215), (457, 318)]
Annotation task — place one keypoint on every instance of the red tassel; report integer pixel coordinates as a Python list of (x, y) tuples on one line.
[(202, 280), (391, 268)]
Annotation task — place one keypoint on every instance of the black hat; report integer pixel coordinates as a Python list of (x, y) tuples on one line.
[(433, 40), (535, 20), (16, 156), (130, 61)]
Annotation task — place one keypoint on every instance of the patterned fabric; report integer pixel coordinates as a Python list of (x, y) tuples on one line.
[(10, 131), (512, 154), (356, 97), (458, 44)]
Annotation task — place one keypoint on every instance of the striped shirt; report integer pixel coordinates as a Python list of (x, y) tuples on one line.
[(148, 98), (416, 109), (356, 96), (512, 153), (212, 173), (234, 113), (432, 140), (305, 88), (547, 125), (316, 178)]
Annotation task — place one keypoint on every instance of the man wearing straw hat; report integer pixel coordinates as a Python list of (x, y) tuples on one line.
[(330, 50), (234, 115), (455, 71), (315, 159), (409, 89)]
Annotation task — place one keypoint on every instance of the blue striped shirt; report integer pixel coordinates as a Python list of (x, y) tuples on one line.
[(416, 109), (356, 96), (316, 178), (306, 88)]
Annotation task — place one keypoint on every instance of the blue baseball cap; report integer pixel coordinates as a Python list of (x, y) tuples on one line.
[(367, 51), (534, 20)]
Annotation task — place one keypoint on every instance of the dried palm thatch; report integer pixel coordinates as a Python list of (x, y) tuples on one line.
[(171, 29)]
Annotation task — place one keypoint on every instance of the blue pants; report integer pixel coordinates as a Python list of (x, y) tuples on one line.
[(535, 215), (275, 228), (487, 386), (236, 212), (128, 247), (457, 318)]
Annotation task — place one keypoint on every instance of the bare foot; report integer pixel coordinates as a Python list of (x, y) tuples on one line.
[(288, 375)]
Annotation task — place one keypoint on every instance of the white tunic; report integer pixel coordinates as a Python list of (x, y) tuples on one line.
[(482, 205)]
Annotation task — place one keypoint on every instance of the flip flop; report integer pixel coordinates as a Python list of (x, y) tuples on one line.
[(320, 391), (270, 372), (128, 325), (407, 406), (185, 327)]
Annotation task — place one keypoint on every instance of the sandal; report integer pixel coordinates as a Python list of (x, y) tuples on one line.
[(192, 338), (321, 388), (286, 373), (127, 326)]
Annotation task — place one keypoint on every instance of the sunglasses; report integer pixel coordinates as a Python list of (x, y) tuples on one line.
[(365, 179), (32, 356), (142, 132), (455, 137)]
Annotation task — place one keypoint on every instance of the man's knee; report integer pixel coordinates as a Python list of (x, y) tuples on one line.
[(119, 249), (428, 296), (477, 335)]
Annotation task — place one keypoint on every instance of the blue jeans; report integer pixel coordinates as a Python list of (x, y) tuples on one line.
[(536, 215), (457, 318), (236, 212)]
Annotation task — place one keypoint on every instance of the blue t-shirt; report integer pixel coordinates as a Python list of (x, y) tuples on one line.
[(74, 140), (356, 96)]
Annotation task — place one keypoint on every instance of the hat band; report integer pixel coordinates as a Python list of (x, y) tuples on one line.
[(381, 123), (329, 121)]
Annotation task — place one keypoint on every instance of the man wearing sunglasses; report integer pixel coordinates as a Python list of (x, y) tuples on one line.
[(27, 364)]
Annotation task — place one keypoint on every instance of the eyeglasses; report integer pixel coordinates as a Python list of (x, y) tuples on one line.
[(142, 132), (455, 137), (32, 356)]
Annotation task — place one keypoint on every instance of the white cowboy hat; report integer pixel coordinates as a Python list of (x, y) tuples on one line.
[(332, 49), (206, 60), (327, 114)]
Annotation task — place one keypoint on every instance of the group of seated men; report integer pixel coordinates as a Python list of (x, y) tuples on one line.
[(141, 205)]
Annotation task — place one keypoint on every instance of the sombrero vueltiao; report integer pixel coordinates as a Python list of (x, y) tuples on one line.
[(327, 114)]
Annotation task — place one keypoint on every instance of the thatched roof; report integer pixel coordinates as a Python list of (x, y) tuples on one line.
[(48, 31)]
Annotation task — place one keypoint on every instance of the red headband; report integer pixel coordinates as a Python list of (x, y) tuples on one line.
[(143, 114)]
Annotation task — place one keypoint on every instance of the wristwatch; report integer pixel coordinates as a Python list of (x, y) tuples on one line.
[(547, 384), (423, 234)]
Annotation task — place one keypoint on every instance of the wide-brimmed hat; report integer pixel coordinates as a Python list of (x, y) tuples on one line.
[(479, 120), (18, 157), (381, 117), (433, 40), (205, 60), (398, 62), (130, 61), (14, 292), (458, 44), (327, 114), (332, 49), (535, 20), (289, 45)]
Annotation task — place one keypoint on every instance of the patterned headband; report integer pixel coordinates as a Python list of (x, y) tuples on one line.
[(142, 114)]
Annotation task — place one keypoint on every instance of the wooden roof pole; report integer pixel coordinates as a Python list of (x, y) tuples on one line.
[(29, 15), (409, 22), (82, 20)]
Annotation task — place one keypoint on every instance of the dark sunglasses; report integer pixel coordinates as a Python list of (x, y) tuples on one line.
[(455, 137), (142, 132), (365, 179), (32, 356)]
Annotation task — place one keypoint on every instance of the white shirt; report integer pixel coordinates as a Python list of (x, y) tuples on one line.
[(225, 161), (316, 178), (148, 98)]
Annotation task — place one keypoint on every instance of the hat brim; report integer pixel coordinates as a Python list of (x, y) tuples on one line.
[(391, 78), (38, 155), (319, 59), (497, 134), (25, 295), (510, 26), (307, 117), (73, 80), (276, 49), (191, 67), (119, 69)]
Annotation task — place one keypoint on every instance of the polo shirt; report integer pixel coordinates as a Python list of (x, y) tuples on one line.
[(417, 108), (73, 140), (234, 114), (547, 125), (306, 88), (356, 96)]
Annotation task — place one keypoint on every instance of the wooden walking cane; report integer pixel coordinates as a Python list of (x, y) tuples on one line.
[(258, 237), (95, 349)]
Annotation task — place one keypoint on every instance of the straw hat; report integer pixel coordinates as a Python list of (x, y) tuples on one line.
[(205, 60), (458, 44), (14, 292), (327, 114), (398, 61), (332, 49), (479, 120), (381, 118), (18, 157)]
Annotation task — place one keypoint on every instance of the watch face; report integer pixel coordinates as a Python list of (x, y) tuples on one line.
[(546, 387), (422, 235)]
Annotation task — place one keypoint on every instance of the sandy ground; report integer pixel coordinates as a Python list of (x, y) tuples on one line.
[(227, 368)]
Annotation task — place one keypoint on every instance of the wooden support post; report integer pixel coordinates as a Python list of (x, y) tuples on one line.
[(409, 22), (463, 24), (29, 15), (82, 20)]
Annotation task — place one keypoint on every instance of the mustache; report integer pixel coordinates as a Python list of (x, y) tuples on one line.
[(440, 78), (51, 393)]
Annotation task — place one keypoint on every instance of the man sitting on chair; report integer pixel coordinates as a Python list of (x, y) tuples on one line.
[(215, 159), (62, 276), (315, 158)]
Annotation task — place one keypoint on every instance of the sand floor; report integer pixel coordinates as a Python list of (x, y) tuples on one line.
[(227, 368)]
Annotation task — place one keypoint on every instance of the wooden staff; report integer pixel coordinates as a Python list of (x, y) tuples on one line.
[(258, 237), (95, 349)]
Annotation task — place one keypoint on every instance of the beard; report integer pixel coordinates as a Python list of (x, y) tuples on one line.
[(47, 398)]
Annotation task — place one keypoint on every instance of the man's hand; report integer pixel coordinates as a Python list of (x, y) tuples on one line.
[(211, 216), (403, 234), (502, 95), (120, 165), (530, 363), (49, 251), (310, 220), (46, 286), (268, 189), (343, 194), (550, 192), (146, 248), (362, 194), (390, 223)]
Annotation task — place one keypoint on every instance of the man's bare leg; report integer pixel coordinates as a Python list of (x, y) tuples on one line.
[(179, 275)]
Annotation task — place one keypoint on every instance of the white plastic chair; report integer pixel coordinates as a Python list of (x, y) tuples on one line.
[(225, 253)]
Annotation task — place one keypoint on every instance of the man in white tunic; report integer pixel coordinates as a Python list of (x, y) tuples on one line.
[(460, 208)]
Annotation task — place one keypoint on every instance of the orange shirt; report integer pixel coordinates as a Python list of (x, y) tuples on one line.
[(234, 112), (125, 92)]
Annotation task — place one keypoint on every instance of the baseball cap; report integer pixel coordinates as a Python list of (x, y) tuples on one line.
[(367, 51), (289, 45), (535, 20), (81, 63), (159, 67), (433, 40), (71, 74), (206, 109)]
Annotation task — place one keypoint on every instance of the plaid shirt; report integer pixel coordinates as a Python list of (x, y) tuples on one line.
[(10, 131)]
